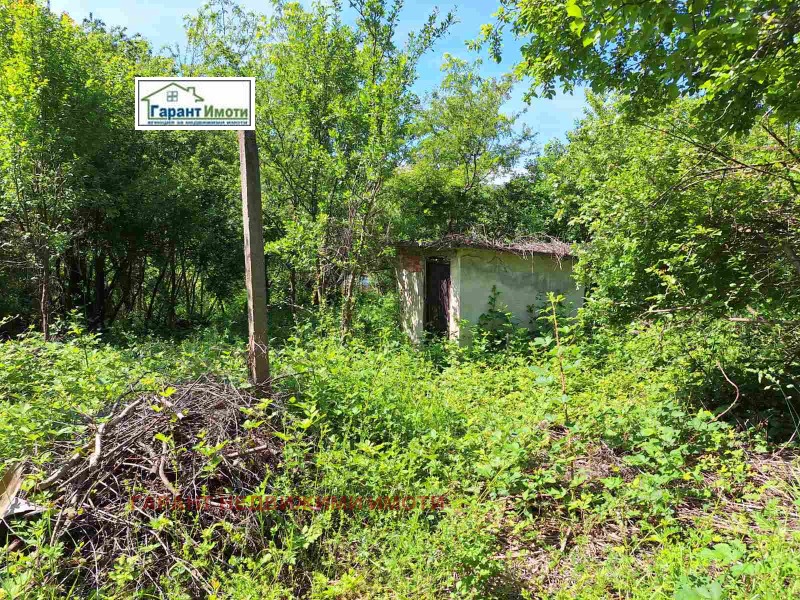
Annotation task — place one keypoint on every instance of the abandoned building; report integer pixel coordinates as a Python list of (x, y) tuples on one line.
[(445, 285)]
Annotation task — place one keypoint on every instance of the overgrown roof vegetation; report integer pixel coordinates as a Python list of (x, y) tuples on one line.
[(646, 448), (523, 246)]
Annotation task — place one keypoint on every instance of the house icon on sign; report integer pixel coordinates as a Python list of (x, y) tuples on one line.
[(172, 94)]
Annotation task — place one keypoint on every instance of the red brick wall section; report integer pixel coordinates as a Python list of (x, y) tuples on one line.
[(411, 263)]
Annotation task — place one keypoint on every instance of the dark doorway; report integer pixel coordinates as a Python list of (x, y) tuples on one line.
[(437, 295)]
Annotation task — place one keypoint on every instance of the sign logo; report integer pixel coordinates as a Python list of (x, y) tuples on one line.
[(195, 103)]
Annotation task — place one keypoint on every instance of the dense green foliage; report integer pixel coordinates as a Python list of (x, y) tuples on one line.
[(739, 56), (94, 215), (142, 228), (698, 233), (619, 484), (645, 448), (462, 141)]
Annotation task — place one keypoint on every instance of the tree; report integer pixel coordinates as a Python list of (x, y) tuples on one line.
[(304, 110), (101, 218), (334, 109), (673, 228), (463, 145), (50, 102), (739, 57), (527, 204)]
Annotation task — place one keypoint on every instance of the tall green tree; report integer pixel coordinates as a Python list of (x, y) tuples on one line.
[(335, 107), (95, 216), (464, 146), (52, 108), (305, 112)]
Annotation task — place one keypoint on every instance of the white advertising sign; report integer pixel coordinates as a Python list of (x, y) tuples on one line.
[(195, 103)]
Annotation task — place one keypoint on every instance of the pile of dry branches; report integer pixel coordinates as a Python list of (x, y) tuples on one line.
[(188, 444)]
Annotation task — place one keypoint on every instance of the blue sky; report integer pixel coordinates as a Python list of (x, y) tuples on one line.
[(161, 22)]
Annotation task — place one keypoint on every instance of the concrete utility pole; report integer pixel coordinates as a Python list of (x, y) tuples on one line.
[(255, 272)]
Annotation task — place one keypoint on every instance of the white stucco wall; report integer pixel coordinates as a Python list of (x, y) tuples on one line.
[(411, 287), (521, 281), (455, 296)]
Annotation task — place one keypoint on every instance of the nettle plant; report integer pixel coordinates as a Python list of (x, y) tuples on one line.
[(496, 329)]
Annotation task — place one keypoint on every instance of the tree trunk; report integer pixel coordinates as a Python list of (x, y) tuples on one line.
[(161, 274), (293, 290), (348, 301), (99, 316), (126, 283), (74, 277), (173, 292), (319, 282), (267, 282), (44, 300)]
